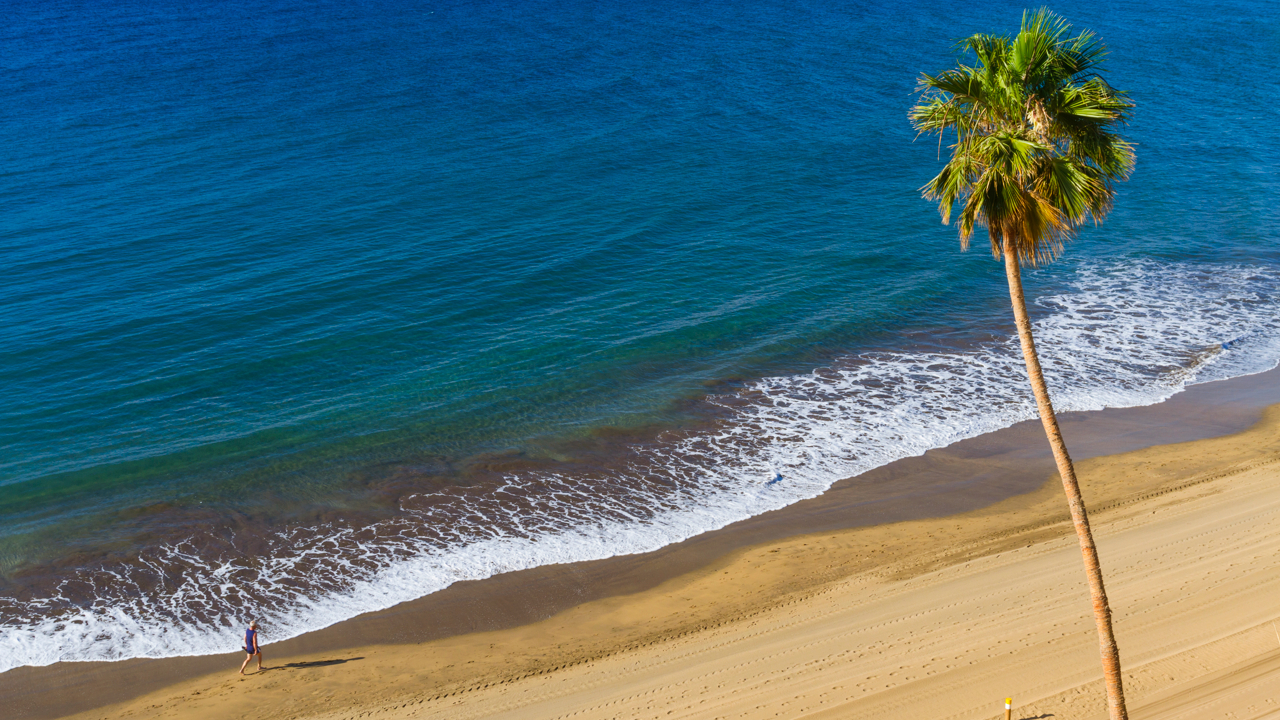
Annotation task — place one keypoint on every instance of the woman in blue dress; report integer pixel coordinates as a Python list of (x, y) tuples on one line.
[(251, 646)]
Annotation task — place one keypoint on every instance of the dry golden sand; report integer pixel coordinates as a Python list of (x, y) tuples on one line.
[(925, 619)]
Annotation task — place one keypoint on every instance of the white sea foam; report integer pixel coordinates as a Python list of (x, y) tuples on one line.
[(1123, 335)]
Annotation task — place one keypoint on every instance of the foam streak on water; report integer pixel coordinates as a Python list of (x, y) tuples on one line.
[(1122, 335)]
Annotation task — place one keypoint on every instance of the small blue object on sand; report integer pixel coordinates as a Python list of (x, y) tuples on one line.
[(776, 479)]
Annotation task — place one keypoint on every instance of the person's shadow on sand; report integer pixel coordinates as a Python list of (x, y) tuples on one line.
[(317, 663)]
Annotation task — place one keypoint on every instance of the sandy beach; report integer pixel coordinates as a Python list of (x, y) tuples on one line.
[(927, 618)]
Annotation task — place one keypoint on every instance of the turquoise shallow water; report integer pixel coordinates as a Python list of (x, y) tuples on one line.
[(284, 283)]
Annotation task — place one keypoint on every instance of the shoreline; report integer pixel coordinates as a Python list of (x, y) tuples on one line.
[(959, 480)]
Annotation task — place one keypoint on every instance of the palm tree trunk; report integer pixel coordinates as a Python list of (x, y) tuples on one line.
[(1101, 609)]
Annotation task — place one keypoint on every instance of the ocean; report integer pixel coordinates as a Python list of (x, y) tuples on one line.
[(311, 309)]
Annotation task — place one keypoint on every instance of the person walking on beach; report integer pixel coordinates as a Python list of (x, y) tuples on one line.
[(251, 646)]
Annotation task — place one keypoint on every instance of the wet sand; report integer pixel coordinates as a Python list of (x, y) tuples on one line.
[(494, 631)]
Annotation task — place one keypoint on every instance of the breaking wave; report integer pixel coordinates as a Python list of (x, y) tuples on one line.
[(1120, 335)]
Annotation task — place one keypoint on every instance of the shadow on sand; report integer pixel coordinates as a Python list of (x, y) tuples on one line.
[(320, 663)]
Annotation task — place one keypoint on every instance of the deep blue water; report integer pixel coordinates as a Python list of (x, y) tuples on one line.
[(293, 273)]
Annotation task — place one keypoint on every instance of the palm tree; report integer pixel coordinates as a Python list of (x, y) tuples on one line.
[(1035, 156)]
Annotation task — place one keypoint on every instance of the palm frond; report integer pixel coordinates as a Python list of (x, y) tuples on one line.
[(1033, 50), (953, 184), (937, 114), (961, 83)]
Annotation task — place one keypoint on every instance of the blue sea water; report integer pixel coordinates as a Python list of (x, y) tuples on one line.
[(329, 305)]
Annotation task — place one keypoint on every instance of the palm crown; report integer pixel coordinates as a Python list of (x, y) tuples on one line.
[(1035, 153)]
